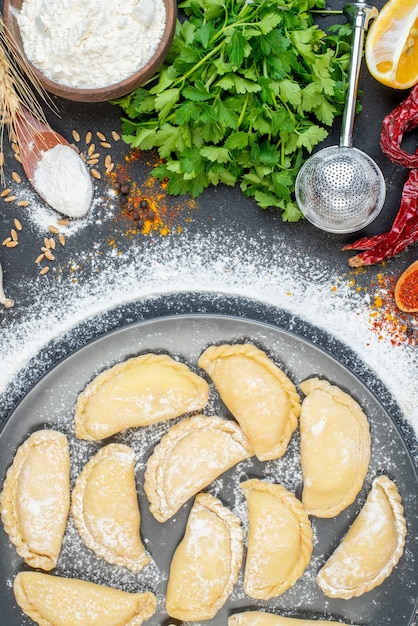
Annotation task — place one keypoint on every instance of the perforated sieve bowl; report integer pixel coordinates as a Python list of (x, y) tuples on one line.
[(340, 189)]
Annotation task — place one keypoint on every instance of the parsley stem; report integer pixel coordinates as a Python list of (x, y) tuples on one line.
[(241, 116), (182, 79)]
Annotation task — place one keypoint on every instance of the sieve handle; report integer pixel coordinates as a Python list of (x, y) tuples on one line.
[(361, 13)]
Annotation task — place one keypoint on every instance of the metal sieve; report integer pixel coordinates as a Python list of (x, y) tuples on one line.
[(341, 189)]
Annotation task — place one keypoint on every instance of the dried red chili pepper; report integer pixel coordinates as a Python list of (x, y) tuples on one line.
[(404, 229), (411, 237), (403, 118), (402, 216), (366, 243)]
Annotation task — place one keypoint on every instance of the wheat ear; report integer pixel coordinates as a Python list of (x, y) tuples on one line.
[(15, 90)]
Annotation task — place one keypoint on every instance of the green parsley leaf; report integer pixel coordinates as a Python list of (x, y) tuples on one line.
[(246, 93)]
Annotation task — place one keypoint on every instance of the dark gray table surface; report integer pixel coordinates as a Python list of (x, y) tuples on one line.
[(216, 210)]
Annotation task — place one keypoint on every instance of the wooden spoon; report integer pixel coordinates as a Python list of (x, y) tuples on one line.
[(410, 274), (34, 138)]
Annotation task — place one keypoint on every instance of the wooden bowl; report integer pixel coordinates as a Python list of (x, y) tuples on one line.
[(101, 94)]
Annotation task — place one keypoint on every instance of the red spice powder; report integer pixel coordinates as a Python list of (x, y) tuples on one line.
[(385, 319), (408, 293)]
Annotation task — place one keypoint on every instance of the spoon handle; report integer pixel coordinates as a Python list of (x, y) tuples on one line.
[(362, 13)]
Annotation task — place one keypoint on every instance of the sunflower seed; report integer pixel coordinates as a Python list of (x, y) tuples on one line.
[(17, 223), (44, 270), (95, 173), (115, 135), (101, 136), (23, 203), (88, 137), (76, 135)]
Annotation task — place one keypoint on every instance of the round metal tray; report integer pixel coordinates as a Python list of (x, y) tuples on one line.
[(50, 404)]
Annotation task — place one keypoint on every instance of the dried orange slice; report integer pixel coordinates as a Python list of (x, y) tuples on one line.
[(391, 50)]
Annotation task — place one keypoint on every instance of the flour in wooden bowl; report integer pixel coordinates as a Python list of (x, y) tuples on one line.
[(90, 44)]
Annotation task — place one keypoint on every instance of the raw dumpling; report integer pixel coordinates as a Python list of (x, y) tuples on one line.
[(190, 456), (139, 391), (35, 500), (55, 601), (334, 448), (105, 507), (206, 562), (372, 546), (259, 395), (259, 618), (279, 539)]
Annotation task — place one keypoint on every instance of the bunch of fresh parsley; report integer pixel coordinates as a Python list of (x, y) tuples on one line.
[(248, 89)]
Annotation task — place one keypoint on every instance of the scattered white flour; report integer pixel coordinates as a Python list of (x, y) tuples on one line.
[(91, 43), (62, 179), (296, 283)]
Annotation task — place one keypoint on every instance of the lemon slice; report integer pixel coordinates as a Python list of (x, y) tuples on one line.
[(391, 50)]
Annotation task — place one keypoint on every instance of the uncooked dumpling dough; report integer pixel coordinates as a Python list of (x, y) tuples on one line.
[(140, 391), (259, 618), (206, 562), (259, 395), (190, 456), (105, 507), (279, 539), (372, 546), (55, 601), (35, 500), (334, 448)]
